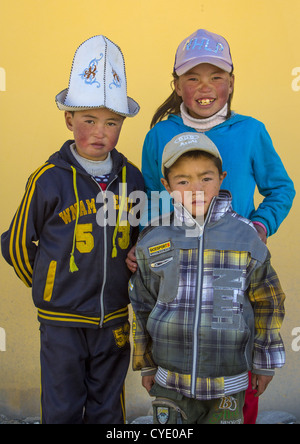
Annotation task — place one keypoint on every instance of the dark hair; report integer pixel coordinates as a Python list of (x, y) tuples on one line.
[(173, 102), (196, 154)]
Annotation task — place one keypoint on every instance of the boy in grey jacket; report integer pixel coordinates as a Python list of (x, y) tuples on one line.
[(208, 306)]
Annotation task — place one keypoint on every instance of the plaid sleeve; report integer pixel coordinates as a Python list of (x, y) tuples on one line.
[(267, 298), (143, 300)]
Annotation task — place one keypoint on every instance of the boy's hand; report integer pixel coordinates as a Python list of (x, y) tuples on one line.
[(131, 260), (260, 383), (148, 382)]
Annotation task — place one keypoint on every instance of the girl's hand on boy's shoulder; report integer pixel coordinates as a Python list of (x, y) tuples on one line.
[(131, 260), (262, 234)]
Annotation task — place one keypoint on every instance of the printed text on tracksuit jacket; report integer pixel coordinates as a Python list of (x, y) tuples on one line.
[(41, 237)]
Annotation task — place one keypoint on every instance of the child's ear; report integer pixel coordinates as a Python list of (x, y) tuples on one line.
[(69, 120), (177, 87), (231, 87), (222, 177), (166, 185)]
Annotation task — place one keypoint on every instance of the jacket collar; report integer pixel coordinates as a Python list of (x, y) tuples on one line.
[(64, 159), (219, 206)]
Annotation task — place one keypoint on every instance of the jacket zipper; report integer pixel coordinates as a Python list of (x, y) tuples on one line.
[(102, 312), (197, 315), (199, 300)]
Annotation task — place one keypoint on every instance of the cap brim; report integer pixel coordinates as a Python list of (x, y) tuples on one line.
[(176, 156), (133, 106), (198, 61)]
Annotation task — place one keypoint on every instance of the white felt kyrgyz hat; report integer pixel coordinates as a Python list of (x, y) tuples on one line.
[(98, 80)]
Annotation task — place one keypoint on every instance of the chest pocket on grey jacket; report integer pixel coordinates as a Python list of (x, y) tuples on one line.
[(166, 268)]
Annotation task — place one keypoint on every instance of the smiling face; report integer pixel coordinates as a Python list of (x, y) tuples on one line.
[(194, 180), (205, 90), (96, 131)]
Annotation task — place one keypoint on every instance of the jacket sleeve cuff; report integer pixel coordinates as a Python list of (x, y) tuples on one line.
[(264, 372), (148, 371)]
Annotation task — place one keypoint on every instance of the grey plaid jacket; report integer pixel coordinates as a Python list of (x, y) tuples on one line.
[(208, 306)]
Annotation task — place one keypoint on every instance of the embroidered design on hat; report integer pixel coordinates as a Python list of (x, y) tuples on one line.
[(116, 82), (89, 74)]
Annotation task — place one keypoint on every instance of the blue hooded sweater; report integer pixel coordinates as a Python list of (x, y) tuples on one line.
[(248, 157)]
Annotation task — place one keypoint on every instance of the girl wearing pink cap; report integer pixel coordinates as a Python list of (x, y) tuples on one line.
[(203, 83)]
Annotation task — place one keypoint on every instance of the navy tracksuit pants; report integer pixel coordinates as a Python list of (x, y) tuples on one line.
[(83, 372)]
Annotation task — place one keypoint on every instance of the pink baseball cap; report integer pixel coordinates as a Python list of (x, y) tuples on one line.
[(203, 47)]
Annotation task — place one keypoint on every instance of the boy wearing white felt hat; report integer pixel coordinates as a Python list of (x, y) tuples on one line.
[(98, 80), (77, 272)]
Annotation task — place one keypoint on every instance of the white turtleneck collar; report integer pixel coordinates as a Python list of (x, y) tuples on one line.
[(203, 125), (93, 167)]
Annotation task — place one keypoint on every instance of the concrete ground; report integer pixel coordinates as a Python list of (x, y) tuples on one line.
[(268, 417)]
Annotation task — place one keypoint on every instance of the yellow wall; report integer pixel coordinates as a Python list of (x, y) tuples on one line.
[(37, 41)]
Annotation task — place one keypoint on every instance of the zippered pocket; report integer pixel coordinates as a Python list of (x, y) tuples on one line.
[(50, 281), (166, 270), (161, 263)]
